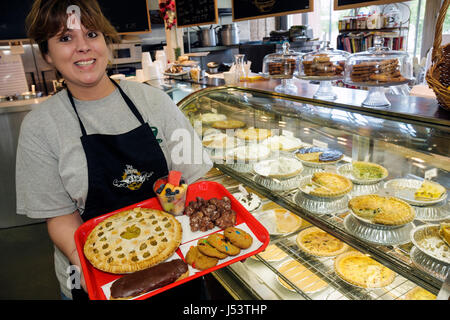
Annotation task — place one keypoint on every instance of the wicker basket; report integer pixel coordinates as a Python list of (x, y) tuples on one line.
[(438, 76)]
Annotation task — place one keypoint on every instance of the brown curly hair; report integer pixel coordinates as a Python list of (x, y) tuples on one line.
[(48, 18)]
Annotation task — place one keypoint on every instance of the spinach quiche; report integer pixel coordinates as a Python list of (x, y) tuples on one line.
[(133, 240)]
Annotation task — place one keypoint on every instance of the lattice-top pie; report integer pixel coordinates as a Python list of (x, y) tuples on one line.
[(133, 240), (361, 270), (319, 243), (382, 210)]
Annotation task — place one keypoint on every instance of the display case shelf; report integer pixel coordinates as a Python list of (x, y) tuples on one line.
[(406, 146)]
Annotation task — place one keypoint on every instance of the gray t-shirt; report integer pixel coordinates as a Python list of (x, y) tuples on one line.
[(51, 168)]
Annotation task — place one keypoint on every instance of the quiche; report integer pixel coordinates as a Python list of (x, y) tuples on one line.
[(319, 243), (377, 209), (368, 171), (362, 271), (329, 184), (419, 293), (301, 276), (253, 134), (133, 240), (429, 191)]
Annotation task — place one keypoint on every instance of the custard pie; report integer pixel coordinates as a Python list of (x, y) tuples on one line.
[(319, 243), (133, 240), (377, 209), (362, 271), (329, 185)]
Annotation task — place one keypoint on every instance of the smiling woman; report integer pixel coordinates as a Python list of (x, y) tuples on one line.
[(97, 146)]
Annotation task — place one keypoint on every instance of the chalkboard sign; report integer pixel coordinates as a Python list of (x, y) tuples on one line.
[(349, 4), (256, 9), (196, 12), (131, 18)]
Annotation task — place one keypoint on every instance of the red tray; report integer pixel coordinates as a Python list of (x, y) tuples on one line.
[(95, 278)]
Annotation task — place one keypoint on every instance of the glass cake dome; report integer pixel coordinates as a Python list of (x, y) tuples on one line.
[(376, 68), (324, 65)]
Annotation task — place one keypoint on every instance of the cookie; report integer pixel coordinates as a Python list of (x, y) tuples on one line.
[(238, 237), (218, 241), (208, 250), (198, 260)]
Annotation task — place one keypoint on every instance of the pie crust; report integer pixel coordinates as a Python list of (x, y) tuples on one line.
[(228, 124), (377, 209), (133, 240), (362, 271), (319, 243), (253, 134), (429, 191), (329, 185)]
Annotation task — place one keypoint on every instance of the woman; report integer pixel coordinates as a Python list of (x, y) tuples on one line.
[(76, 144)]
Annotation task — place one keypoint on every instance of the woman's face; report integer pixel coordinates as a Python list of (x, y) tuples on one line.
[(80, 55)]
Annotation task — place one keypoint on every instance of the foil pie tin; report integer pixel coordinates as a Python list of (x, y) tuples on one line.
[(428, 264), (377, 234), (404, 189), (318, 205), (347, 171), (364, 189), (434, 213), (422, 233), (279, 184)]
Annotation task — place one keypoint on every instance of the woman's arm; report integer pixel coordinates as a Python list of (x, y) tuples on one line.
[(61, 230)]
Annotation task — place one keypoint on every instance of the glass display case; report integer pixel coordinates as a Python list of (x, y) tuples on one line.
[(308, 171)]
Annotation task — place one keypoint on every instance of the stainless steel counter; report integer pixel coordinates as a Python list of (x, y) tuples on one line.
[(11, 117)]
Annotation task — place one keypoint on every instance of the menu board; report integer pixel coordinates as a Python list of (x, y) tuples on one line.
[(256, 9), (348, 4), (196, 12)]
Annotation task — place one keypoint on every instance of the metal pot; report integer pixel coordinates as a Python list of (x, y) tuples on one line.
[(229, 34), (208, 37)]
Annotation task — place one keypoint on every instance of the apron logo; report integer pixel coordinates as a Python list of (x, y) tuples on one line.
[(155, 133), (132, 179)]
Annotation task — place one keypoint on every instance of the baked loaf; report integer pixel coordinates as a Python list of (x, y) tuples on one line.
[(137, 283)]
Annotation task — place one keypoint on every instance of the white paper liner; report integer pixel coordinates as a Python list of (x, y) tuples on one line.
[(189, 239)]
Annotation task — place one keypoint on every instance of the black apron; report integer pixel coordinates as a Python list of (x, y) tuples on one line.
[(121, 168), (121, 171)]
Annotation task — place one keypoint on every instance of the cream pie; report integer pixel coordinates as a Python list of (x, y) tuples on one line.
[(209, 118), (252, 152), (280, 168), (219, 141), (283, 143), (249, 200)]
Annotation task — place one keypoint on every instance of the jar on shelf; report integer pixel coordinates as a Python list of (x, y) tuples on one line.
[(376, 68)]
